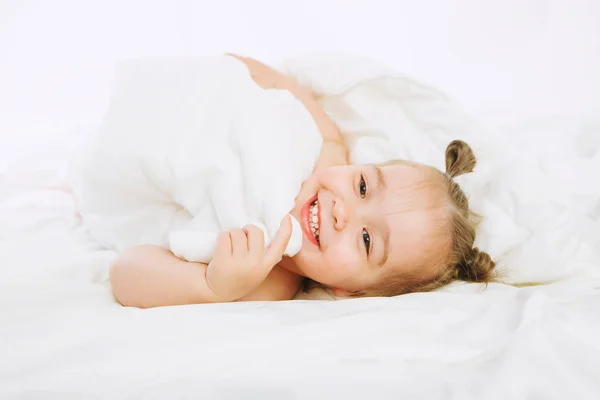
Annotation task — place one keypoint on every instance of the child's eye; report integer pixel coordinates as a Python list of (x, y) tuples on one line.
[(362, 187), (367, 240)]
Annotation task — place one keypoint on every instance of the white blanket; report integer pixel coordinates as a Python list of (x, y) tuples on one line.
[(227, 153), (540, 224), (190, 148), (63, 335)]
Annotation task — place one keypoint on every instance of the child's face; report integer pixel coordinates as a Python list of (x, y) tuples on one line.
[(371, 221)]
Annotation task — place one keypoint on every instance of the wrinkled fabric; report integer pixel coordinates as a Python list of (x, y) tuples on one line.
[(190, 148), (539, 221)]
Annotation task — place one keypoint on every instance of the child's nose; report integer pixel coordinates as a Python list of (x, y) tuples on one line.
[(339, 214)]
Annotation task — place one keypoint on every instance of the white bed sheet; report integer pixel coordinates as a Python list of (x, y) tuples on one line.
[(63, 335)]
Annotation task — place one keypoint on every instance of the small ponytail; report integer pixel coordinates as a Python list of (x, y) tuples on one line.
[(477, 266), (459, 159), (467, 263)]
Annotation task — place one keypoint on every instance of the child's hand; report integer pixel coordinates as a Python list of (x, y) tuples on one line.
[(268, 77), (333, 151), (241, 262)]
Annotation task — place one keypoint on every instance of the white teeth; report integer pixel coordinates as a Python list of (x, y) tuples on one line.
[(314, 219)]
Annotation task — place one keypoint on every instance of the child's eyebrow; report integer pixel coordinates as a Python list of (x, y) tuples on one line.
[(386, 246)]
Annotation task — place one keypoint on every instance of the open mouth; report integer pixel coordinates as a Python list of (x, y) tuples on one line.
[(311, 220), (314, 220)]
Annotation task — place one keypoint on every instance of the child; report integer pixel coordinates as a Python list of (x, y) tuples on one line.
[(368, 231)]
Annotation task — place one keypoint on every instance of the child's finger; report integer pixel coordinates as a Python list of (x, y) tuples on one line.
[(308, 189), (235, 56), (239, 241), (256, 241), (223, 244), (279, 243), (250, 63)]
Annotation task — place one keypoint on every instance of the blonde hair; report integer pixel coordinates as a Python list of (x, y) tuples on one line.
[(457, 258)]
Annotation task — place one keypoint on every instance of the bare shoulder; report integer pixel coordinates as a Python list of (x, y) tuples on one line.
[(280, 284)]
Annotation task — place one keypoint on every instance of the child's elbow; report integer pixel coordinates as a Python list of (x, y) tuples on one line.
[(121, 280)]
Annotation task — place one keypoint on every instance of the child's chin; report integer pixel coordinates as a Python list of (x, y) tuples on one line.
[(305, 260), (308, 250)]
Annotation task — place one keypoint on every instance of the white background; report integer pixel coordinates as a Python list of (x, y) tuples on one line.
[(513, 57)]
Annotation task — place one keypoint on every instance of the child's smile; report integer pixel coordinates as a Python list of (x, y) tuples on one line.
[(310, 220), (362, 222)]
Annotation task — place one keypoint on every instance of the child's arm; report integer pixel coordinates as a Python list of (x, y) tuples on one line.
[(242, 269), (151, 276), (333, 151)]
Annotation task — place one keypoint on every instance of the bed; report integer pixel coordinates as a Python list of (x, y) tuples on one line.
[(63, 335)]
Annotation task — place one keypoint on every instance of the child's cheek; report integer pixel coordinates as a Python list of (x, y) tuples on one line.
[(308, 189), (343, 260)]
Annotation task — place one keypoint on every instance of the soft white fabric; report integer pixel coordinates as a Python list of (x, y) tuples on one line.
[(191, 147), (539, 222), (63, 336)]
